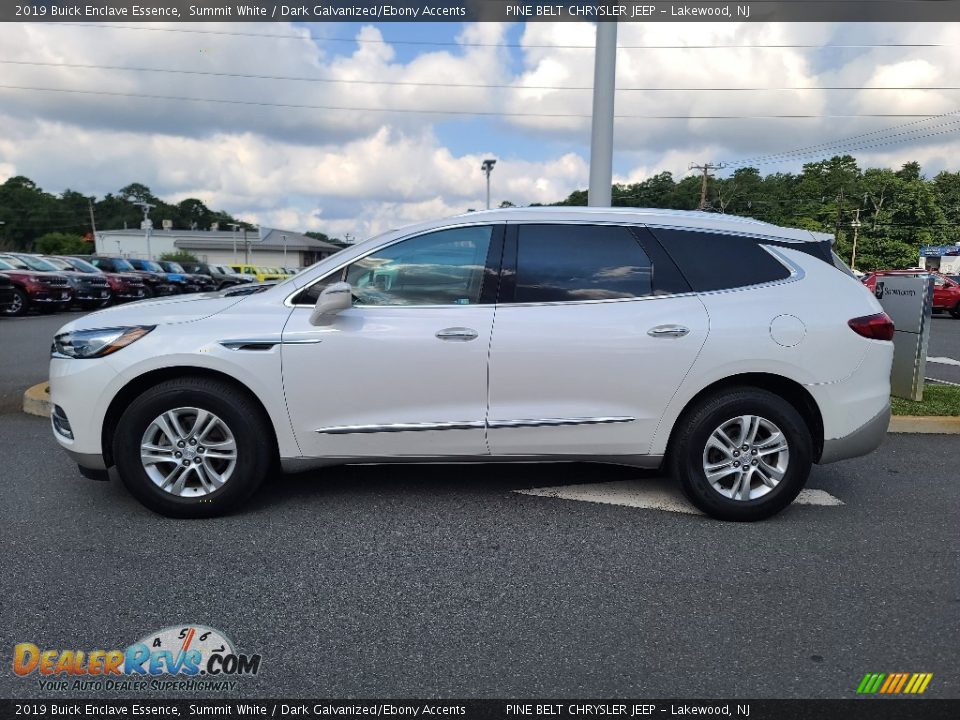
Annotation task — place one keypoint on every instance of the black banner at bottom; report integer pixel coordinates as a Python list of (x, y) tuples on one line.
[(859, 709)]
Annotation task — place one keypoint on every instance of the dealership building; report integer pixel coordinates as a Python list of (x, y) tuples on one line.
[(269, 247)]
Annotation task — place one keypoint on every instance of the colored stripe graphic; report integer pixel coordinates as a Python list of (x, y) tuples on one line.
[(894, 683)]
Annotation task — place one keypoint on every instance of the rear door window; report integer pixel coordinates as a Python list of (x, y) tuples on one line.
[(576, 263)]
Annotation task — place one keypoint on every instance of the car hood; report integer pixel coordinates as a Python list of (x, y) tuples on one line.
[(165, 311)]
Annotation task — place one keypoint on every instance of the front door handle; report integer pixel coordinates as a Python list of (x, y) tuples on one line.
[(457, 334), (668, 331)]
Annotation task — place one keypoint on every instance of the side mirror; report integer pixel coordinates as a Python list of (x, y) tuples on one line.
[(332, 300)]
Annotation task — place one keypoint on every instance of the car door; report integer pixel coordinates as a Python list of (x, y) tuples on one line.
[(594, 332), (403, 372)]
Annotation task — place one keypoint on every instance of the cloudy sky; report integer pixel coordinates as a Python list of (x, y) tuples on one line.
[(322, 126)]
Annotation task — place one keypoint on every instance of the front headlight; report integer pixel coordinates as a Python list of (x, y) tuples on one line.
[(85, 344)]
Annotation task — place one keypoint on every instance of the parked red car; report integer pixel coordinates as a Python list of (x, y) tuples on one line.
[(946, 290), (123, 286), (44, 290)]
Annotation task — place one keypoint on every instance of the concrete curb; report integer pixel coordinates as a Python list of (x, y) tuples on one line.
[(36, 401), (924, 424)]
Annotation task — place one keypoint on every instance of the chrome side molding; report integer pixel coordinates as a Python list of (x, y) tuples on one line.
[(264, 343), (470, 425), (557, 422), (401, 427)]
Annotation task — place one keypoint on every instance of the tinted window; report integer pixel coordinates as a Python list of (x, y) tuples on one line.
[(571, 263), (440, 268), (711, 261)]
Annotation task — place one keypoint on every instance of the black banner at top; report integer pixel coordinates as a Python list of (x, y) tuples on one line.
[(426, 709), (480, 11)]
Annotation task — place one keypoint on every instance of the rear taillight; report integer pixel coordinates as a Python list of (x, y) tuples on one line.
[(875, 327)]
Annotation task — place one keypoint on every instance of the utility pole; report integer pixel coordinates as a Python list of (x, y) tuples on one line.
[(836, 232), (93, 224), (856, 226), (601, 132), (705, 168), (246, 249), (284, 250)]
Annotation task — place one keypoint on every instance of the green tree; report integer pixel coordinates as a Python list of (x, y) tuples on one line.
[(180, 256), (57, 243)]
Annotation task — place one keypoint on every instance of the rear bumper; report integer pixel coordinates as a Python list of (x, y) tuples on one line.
[(861, 441)]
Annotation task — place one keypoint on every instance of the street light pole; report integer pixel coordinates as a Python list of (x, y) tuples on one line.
[(601, 135), (147, 224), (856, 227), (487, 167), (233, 236)]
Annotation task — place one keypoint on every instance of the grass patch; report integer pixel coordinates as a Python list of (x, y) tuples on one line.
[(937, 400)]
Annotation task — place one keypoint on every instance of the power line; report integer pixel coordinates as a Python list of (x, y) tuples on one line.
[(354, 81), (439, 43), (480, 113), (840, 144)]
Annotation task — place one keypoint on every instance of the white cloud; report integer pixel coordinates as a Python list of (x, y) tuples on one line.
[(360, 172)]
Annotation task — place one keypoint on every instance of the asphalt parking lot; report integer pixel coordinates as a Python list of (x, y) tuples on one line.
[(443, 581)]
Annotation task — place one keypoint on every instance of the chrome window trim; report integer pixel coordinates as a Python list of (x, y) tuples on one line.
[(796, 272), (288, 300)]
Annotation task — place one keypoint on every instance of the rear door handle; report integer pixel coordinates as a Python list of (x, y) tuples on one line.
[(457, 334), (668, 331)]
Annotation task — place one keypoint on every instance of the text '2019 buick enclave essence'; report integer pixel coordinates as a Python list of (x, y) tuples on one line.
[(729, 352)]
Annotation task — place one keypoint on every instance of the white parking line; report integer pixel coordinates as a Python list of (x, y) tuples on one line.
[(654, 494), (943, 360)]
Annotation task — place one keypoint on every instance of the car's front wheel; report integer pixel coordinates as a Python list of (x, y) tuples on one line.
[(192, 447), (18, 303), (743, 454), (955, 311)]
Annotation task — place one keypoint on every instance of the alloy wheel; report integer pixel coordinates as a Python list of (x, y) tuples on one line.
[(746, 457), (188, 452)]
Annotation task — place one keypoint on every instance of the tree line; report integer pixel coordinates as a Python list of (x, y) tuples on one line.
[(893, 212)]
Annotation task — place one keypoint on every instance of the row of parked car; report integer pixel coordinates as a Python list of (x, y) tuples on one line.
[(51, 283)]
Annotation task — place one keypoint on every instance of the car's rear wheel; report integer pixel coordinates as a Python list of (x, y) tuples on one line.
[(18, 303), (147, 291), (192, 447), (743, 454)]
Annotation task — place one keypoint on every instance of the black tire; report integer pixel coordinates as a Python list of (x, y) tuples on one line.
[(694, 429), (19, 304), (147, 292), (242, 416), (955, 311)]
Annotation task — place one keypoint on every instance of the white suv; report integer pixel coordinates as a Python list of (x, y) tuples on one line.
[(730, 352)]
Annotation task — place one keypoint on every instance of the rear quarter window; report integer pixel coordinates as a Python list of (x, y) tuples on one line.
[(714, 261)]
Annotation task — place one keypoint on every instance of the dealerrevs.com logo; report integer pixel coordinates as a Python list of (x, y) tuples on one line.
[(180, 657)]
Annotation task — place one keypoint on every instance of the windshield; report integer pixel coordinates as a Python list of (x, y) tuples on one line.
[(59, 263), (78, 264), (148, 265), (35, 263), (6, 265), (173, 267), (14, 263), (121, 264)]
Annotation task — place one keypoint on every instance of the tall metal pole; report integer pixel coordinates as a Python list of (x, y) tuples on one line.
[(601, 137), (487, 167)]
